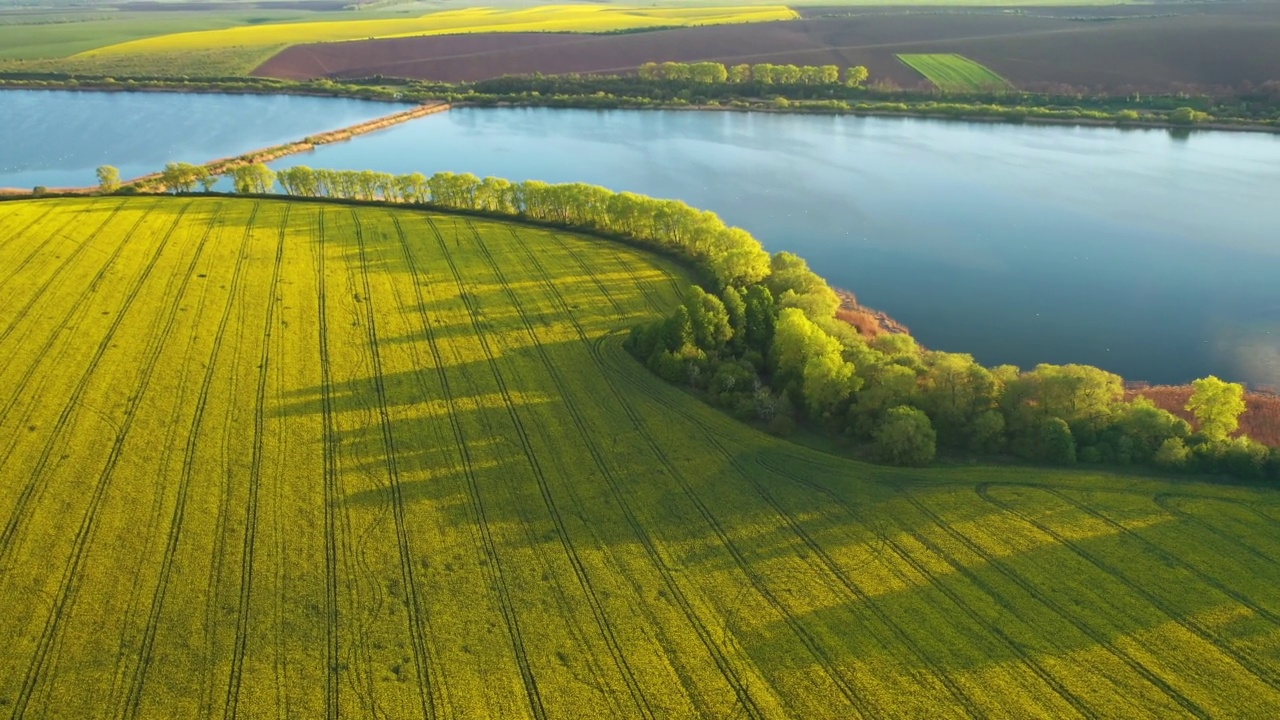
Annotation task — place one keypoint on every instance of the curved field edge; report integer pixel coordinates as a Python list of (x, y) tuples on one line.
[(284, 457)]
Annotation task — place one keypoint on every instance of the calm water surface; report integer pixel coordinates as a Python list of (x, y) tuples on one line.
[(58, 139), (1150, 255)]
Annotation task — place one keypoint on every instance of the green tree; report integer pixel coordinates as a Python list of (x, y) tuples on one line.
[(1172, 454), (255, 178), (1147, 428), (206, 179), (855, 76), (1187, 116), (954, 390), (708, 320), (1057, 445), (795, 285), (905, 437), (1217, 406), (108, 179)]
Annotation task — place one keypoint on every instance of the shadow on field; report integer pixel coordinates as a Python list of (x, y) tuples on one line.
[(973, 595)]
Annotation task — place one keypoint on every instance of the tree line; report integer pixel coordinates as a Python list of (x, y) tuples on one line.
[(760, 337), (764, 73)]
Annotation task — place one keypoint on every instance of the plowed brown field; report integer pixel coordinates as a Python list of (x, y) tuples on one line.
[(1116, 49)]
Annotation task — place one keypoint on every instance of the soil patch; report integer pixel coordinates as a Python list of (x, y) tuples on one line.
[(1117, 49)]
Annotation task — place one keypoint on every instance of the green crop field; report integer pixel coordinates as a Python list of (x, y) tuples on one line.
[(955, 73), (263, 458)]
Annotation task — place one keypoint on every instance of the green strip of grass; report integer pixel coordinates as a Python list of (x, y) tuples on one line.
[(955, 73)]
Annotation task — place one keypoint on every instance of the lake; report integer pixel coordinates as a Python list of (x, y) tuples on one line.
[(1151, 255), (1148, 254), (59, 138)]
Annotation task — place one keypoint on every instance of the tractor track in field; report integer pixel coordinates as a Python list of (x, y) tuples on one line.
[(368, 597), (212, 622), (133, 699), (1027, 659), (413, 605), (851, 588), (88, 525), (14, 270), (1251, 508), (1196, 629), (593, 349), (248, 552), (67, 262), (26, 229), (354, 566), (1043, 673), (154, 524), (597, 607), (810, 642), (16, 219), (722, 661), (1027, 587), (815, 649), (19, 388), (332, 497), (1166, 502), (611, 480), (1253, 666), (994, 562), (539, 474), (493, 568), (73, 401), (1097, 637), (532, 692)]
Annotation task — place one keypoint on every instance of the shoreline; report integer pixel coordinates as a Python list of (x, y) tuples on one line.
[(762, 107)]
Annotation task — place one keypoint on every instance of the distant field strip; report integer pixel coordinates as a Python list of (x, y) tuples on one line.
[(263, 458), (955, 73), (546, 18)]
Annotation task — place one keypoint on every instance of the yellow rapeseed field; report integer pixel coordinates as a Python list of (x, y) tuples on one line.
[(545, 18), (307, 460)]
